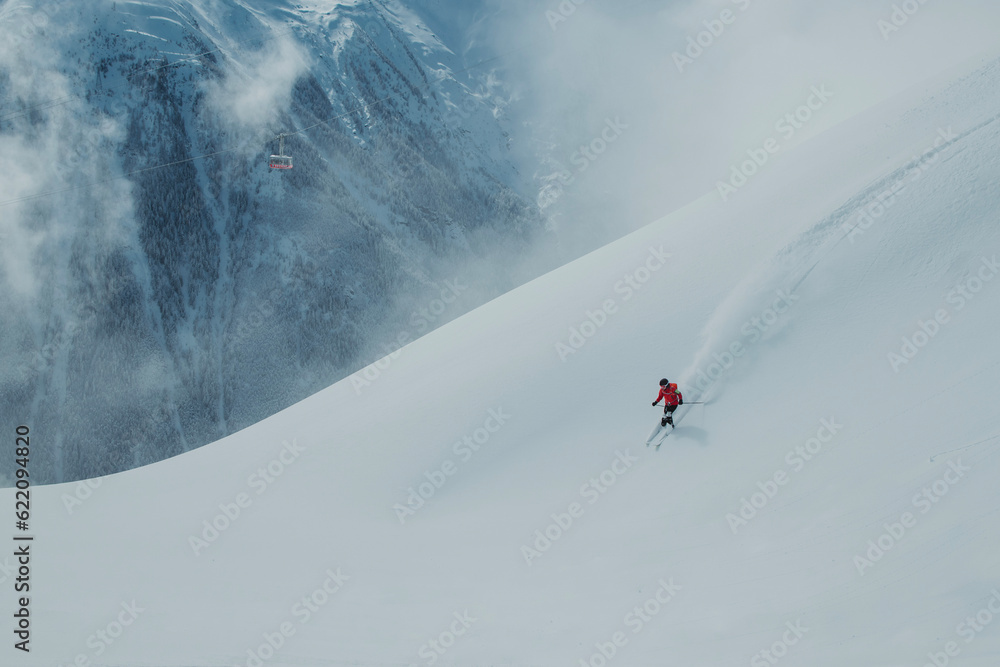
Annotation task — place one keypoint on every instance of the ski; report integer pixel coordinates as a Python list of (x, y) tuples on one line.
[(663, 437), (654, 434), (658, 435)]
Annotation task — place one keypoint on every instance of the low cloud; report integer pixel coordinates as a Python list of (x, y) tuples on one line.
[(699, 82), (257, 89)]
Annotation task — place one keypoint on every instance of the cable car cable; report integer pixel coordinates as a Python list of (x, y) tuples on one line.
[(47, 193), (59, 101)]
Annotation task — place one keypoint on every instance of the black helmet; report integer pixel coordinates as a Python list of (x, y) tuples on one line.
[(664, 382)]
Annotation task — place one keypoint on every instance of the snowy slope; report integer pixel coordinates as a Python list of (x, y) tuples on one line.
[(653, 532)]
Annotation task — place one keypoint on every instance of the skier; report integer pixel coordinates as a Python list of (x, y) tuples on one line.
[(671, 400)]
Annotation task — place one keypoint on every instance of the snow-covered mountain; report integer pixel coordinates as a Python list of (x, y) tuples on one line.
[(487, 498), (150, 309)]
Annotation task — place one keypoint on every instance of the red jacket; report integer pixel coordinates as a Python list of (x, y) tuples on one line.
[(669, 396)]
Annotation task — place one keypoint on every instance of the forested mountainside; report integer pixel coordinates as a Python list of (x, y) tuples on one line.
[(156, 299)]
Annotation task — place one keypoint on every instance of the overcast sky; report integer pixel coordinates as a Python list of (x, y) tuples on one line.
[(576, 66)]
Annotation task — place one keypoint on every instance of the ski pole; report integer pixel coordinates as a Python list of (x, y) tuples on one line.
[(695, 403), (689, 403)]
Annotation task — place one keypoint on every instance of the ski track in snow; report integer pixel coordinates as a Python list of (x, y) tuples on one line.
[(821, 239)]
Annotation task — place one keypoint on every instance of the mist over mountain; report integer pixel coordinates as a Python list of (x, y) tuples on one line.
[(167, 288)]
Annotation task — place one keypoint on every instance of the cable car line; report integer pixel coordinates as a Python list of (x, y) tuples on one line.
[(287, 134), (59, 101), (111, 179), (345, 114)]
